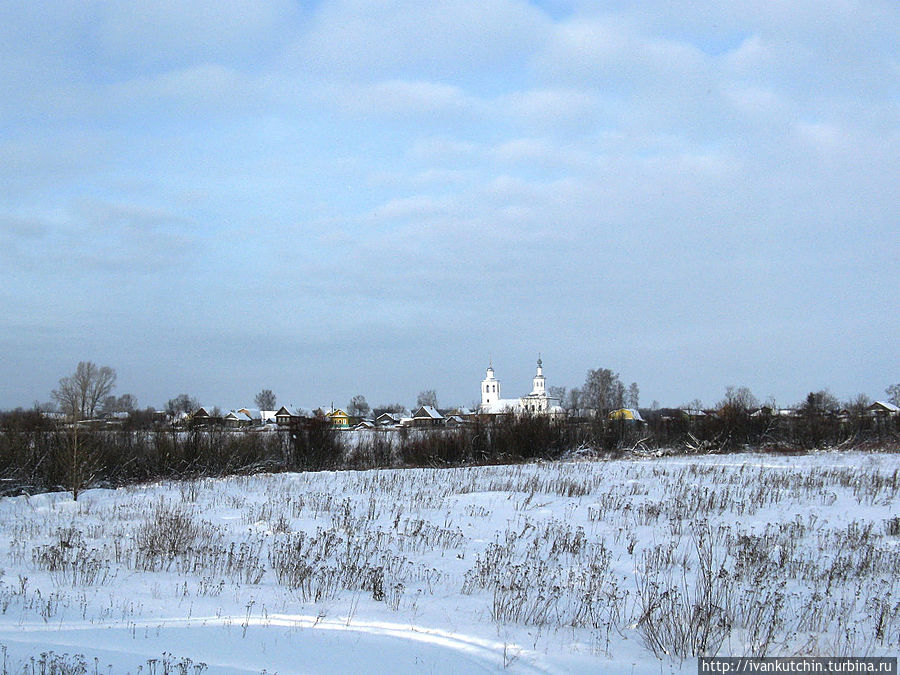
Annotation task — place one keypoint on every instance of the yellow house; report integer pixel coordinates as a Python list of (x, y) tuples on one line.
[(626, 414), (339, 419)]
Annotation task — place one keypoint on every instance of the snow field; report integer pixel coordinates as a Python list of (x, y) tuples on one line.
[(580, 566)]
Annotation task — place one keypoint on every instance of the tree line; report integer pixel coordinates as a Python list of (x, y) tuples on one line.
[(88, 392), (39, 452), (39, 455)]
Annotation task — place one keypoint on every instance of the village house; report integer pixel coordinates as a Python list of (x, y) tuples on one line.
[(338, 418), (626, 415), (259, 417), (283, 416), (204, 416), (427, 416), (388, 420), (236, 420), (883, 409)]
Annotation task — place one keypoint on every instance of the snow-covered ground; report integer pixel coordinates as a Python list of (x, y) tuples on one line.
[(630, 566)]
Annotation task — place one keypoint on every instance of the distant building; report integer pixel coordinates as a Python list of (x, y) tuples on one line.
[(535, 403), (204, 416), (427, 416), (284, 416), (338, 418), (388, 420), (883, 409), (626, 414), (259, 417), (455, 421), (236, 419)]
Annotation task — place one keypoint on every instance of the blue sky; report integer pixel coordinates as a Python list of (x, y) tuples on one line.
[(341, 197)]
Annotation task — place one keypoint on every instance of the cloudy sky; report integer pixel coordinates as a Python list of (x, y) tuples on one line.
[(349, 196)]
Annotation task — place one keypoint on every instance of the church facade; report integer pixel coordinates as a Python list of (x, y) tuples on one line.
[(538, 402)]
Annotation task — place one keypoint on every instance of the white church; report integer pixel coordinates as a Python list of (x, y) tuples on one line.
[(535, 403)]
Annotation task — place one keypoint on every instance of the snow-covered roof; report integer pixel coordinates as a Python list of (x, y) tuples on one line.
[(626, 414), (259, 415), (694, 412), (389, 418), (429, 412), (501, 406), (890, 407), (292, 411)]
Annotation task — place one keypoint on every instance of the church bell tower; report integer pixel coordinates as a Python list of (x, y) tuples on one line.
[(538, 384), (490, 387)]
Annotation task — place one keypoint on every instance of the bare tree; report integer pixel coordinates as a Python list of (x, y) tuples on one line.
[(358, 406), (398, 408), (559, 393), (633, 398), (427, 397), (182, 403), (125, 403), (265, 400), (858, 405), (80, 394), (619, 395), (79, 457), (694, 407), (820, 402), (46, 406), (573, 401), (893, 393), (602, 391), (817, 421), (738, 399), (734, 412)]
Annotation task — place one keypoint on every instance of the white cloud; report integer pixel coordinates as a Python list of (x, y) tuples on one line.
[(756, 101), (554, 110), (444, 177), (209, 87), (754, 55), (610, 50), (823, 137), (439, 150), (403, 98), (417, 208), (92, 236), (544, 154), (160, 32), (362, 39)]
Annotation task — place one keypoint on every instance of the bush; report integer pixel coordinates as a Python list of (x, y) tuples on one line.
[(314, 445), (168, 532)]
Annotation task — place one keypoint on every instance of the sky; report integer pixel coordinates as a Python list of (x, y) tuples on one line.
[(343, 197)]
